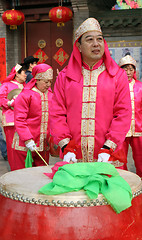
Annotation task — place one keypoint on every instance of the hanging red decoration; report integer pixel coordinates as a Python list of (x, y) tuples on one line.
[(13, 18), (60, 15)]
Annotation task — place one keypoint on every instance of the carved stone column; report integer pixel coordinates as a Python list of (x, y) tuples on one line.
[(81, 12)]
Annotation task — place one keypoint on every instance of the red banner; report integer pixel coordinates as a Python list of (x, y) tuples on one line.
[(2, 59)]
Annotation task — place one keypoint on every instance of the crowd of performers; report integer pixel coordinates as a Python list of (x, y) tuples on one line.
[(93, 114)]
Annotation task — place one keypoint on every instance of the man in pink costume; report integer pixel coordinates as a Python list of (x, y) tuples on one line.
[(91, 103), (134, 135), (31, 117), (15, 80)]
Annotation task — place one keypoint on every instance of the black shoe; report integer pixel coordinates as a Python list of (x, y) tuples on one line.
[(5, 158)]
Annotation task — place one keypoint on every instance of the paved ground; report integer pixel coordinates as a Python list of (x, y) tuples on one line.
[(4, 166)]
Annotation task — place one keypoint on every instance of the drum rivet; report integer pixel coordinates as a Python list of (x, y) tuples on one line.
[(100, 203), (75, 204), (94, 203), (84, 201), (65, 202), (97, 201), (46, 201), (39, 200), (78, 202), (58, 201), (71, 203), (33, 199), (88, 204), (68, 204)]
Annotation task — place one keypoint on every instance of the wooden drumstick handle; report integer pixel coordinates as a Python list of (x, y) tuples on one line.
[(41, 157)]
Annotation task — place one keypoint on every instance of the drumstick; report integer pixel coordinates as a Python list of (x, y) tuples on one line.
[(41, 157)]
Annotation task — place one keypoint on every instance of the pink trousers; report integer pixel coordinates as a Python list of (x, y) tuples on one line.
[(136, 145)]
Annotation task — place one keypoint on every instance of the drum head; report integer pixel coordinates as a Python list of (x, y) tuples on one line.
[(23, 185)]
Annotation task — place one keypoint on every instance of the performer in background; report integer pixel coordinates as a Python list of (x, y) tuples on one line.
[(134, 135), (30, 62), (3, 147), (15, 81), (31, 117), (91, 107)]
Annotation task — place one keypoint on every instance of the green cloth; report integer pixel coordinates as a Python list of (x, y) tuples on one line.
[(94, 179), (28, 160)]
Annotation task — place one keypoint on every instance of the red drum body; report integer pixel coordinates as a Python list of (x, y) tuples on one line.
[(27, 215)]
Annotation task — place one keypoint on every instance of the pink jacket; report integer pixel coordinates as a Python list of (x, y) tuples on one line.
[(7, 112), (112, 106), (136, 100), (31, 118)]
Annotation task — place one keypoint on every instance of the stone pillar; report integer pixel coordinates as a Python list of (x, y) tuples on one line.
[(12, 39), (81, 12)]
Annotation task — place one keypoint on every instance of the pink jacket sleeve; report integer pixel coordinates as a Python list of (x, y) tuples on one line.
[(59, 126), (122, 110), (21, 111)]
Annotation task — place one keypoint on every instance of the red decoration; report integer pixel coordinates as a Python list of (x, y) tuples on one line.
[(61, 56), (60, 15), (13, 18), (41, 55), (2, 59)]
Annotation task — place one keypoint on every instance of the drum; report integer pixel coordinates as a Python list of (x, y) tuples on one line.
[(27, 215)]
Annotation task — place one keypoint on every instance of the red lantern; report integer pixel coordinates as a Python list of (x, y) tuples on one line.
[(60, 15), (13, 18)]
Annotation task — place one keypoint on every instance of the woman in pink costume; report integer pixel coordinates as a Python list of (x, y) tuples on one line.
[(134, 135), (31, 117), (15, 80), (91, 111)]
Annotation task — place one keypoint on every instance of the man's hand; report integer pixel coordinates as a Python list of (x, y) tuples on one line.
[(70, 158), (31, 145), (104, 156)]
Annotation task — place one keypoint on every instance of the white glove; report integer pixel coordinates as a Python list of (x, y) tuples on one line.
[(70, 156), (31, 145), (104, 157), (9, 103)]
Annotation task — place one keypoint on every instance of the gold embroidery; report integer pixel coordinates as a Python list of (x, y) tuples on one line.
[(63, 142), (20, 85), (45, 75), (4, 123), (131, 131), (90, 79), (110, 144)]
